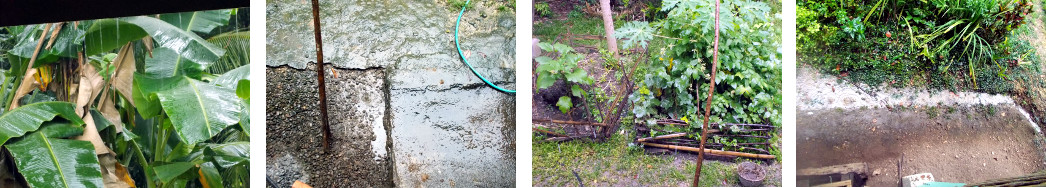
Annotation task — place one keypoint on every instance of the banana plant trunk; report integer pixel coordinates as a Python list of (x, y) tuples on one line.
[(319, 74)]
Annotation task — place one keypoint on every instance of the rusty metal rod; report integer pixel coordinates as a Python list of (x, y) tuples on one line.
[(319, 74), (708, 105)]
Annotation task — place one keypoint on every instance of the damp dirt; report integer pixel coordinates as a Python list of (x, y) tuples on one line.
[(964, 144)]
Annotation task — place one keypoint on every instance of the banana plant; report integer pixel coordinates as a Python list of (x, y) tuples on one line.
[(154, 97)]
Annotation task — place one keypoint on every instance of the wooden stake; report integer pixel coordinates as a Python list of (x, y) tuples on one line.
[(708, 105), (661, 137), (712, 151)]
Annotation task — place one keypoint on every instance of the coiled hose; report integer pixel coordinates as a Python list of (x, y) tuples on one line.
[(458, 45)]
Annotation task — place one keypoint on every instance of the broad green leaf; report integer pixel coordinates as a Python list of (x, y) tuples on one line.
[(198, 21), (144, 93), (164, 62), (545, 80), (168, 172), (543, 60), (564, 104), (50, 162), (103, 36), (60, 129), (230, 154), (27, 118), (546, 46), (578, 76), (237, 51), (108, 34), (209, 176), (199, 110), (576, 90), (563, 48), (243, 89), (232, 78), (634, 32)]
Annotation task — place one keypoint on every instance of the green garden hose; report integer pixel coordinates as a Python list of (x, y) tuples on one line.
[(458, 24)]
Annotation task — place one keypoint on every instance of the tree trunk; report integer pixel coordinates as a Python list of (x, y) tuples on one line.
[(608, 25)]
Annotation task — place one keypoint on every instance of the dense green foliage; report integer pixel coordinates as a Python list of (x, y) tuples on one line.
[(964, 43), (156, 102), (675, 84), (561, 64)]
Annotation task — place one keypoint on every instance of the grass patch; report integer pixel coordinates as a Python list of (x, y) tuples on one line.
[(616, 163)]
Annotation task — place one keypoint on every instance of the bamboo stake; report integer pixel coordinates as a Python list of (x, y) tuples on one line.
[(569, 122), (661, 137), (708, 105), (711, 151)]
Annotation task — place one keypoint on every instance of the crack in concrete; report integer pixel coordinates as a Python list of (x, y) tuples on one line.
[(472, 86)]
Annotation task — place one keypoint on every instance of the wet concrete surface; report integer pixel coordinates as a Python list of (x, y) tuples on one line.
[(963, 144), (445, 128)]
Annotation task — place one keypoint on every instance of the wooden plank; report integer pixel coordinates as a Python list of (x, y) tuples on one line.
[(859, 168)]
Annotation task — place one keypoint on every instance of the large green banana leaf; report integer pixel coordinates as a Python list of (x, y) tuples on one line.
[(52, 162), (169, 172), (230, 154), (199, 110), (202, 22), (237, 51), (144, 92), (27, 118), (106, 35), (232, 78), (209, 176), (165, 63)]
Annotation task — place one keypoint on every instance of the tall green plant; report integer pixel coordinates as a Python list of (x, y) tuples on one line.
[(749, 89)]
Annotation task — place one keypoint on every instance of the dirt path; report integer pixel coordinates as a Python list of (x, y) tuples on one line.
[(967, 146), (958, 137)]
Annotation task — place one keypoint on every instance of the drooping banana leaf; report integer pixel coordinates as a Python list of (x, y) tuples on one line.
[(144, 92), (237, 51), (164, 63), (169, 172), (209, 176), (232, 78), (27, 118), (229, 154), (106, 35), (199, 110), (52, 162), (60, 129), (202, 22)]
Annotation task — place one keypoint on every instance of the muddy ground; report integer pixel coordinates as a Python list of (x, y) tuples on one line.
[(955, 144), (414, 116), (963, 137)]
